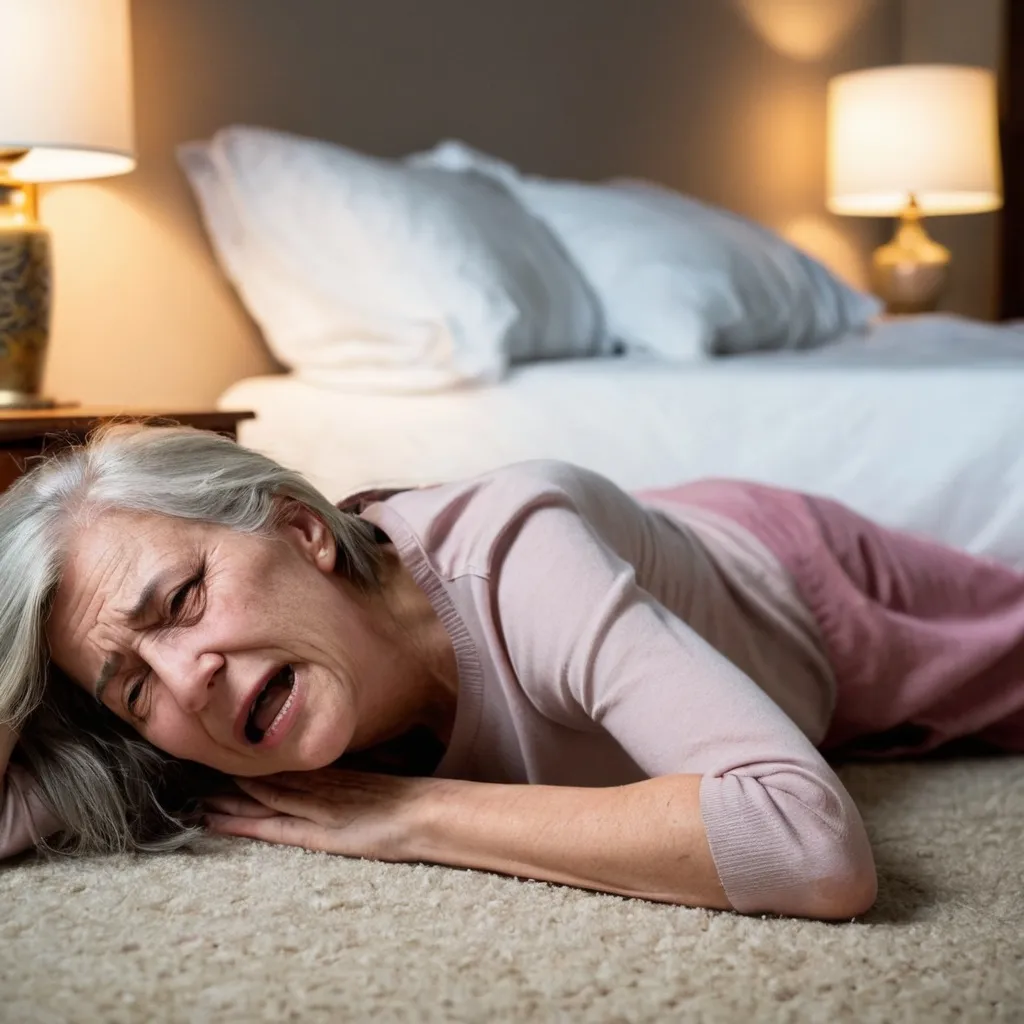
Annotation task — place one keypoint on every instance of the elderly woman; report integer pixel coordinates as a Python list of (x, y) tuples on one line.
[(548, 677)]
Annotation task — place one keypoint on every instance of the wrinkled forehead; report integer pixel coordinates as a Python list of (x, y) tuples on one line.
[(126, 538), (110, 556), (101, 566)]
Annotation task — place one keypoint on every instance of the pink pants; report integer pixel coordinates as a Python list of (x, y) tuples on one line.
[(926, 642)]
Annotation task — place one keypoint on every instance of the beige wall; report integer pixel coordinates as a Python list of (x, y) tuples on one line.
[(961, 32), (720, 98)]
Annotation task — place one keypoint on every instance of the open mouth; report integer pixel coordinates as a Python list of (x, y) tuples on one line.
[(271, 704)]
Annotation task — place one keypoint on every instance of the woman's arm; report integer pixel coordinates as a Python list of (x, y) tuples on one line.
[(645, 839)]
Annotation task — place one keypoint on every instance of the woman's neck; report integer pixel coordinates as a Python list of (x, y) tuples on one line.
[(417, 627)]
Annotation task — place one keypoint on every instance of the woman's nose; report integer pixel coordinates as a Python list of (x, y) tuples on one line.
[(187, 673)]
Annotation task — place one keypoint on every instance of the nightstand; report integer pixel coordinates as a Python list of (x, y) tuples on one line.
[(28, 432)]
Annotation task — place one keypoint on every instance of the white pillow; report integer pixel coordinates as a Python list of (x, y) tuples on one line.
[(677, 277), (381, 274)]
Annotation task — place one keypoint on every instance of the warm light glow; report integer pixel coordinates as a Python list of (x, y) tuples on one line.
[(65, 80), (822, 238), (925, 130), (804, 29)]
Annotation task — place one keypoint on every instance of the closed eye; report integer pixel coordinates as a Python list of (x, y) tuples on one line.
[(186, 607), (133, 696)]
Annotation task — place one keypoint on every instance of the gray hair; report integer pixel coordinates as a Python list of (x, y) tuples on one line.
[(113, 790)]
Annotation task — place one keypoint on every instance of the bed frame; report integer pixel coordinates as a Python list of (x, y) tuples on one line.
[(1011, 305)]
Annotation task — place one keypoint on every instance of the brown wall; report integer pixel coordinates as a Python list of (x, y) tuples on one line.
[(721, 98)]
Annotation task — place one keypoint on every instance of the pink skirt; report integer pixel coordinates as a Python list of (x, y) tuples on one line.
[(926, 642)]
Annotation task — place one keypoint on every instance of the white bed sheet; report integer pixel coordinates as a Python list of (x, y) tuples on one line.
[(920, 426)]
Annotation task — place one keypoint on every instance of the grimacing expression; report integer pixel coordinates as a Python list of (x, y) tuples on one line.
[(239, 652)]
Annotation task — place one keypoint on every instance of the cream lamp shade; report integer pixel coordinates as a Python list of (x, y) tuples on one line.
[(922, 131), (65, 89)]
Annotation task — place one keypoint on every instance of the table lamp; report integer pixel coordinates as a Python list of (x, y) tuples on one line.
[(65, 114), (910, 141)]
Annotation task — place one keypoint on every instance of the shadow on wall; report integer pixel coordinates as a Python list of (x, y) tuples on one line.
[(753, 139), (806, 30), (809, 31)]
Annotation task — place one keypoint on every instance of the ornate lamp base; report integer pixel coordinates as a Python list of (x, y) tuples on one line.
[(910, 272), (24, 299)]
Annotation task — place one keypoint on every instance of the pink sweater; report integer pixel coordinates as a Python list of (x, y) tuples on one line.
[(577, 617)]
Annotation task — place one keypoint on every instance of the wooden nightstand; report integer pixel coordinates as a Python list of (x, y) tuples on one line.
[(28, 432)]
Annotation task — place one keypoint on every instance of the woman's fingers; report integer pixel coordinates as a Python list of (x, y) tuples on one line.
[(242, 806), (358, 815), (282, 829)]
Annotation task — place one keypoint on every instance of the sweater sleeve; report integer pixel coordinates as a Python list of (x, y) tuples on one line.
[(583, 636), (24, 818)]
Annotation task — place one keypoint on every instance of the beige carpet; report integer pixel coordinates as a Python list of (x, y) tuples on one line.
[(244, 932)]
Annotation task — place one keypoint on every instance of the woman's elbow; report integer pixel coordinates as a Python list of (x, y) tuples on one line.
[(832, 874), (839, 880), (791, 843), (838, 896), (844, 897), (853, 888)]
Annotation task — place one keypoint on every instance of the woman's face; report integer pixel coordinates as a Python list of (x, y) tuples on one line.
[(236, 651)]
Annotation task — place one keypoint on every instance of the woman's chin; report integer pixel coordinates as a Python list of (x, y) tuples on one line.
[(319, 751)]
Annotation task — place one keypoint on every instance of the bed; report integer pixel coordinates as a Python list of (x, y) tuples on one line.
[(917, 422), (920, 425)]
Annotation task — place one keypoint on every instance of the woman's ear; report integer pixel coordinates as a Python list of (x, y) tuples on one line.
[(311, 533)]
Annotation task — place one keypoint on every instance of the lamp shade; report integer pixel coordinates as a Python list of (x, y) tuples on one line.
[(924, 130), (65, 89)]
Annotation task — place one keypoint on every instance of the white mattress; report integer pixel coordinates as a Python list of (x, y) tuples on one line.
[(921, 427)]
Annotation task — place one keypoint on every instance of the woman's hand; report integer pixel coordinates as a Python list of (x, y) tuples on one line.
[(357, 814)]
